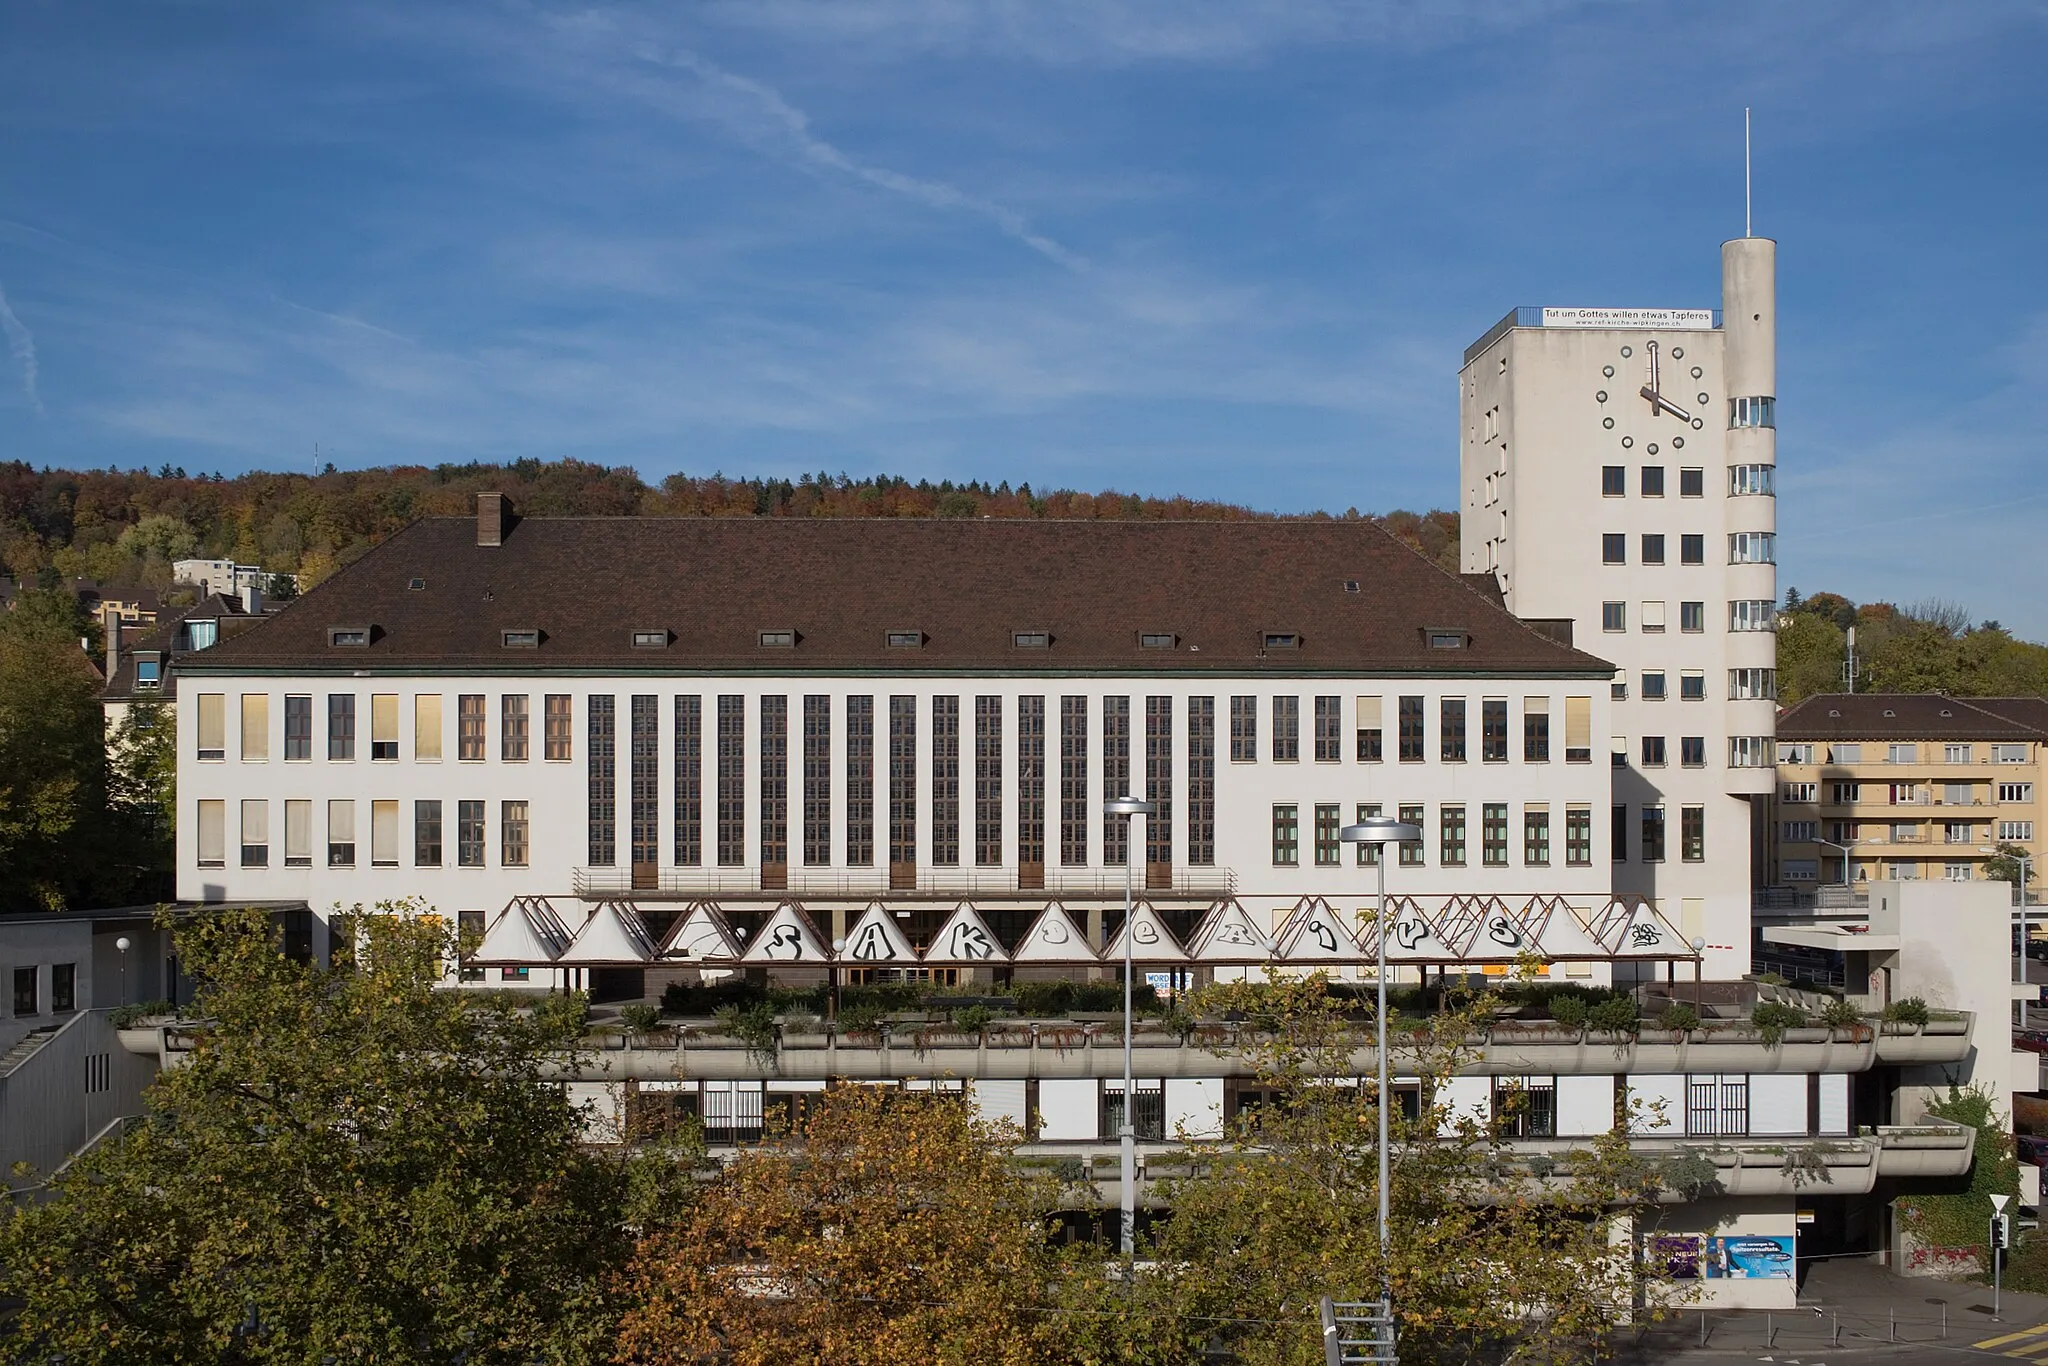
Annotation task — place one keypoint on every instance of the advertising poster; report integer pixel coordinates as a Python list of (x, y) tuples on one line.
[(1677, 1255), (1750, 1257)]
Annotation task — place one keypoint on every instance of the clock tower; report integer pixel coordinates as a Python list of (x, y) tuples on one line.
[(1618, 471)]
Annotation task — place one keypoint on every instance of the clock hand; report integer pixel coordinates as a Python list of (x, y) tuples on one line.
[(1658, 400)]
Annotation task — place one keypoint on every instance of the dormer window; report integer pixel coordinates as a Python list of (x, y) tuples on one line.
[(1031, 640), (778, 640), (201, 635), (341, 637), (1351, 585), (906, 640), (1157, 640), (1440, 639), (1282, 640), (148, 672), (525, 638), (650, 640)]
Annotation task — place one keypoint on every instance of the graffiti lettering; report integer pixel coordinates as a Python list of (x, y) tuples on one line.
[(970, 942), (1502, 931), (785, 937), (873, 944), (1645, 936), (1408, 933)]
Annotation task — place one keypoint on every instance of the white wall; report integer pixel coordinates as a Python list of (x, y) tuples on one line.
[(1585, 1106), (1068, 1109), (1194, 1107)]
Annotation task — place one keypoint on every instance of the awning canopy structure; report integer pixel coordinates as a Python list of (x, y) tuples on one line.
[(1442, 932)]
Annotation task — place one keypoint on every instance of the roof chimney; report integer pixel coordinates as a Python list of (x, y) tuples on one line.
[(110, 621), (252, 600), (491, 514)]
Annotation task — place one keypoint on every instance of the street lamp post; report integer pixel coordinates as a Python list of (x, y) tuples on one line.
[(1380, 831), (1127, 1135), (2019, 962), (1845, 848)]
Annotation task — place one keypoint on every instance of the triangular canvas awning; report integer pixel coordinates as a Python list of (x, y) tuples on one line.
[(1413, 935), (1560, 931), (1054, 938), (1632, 928), (1227, 934), (614, 933), (1481, 929), (787, 937), (1151, 941), (1315, 932), (526, 931), (702, 936), (874, 938), (965, 938)]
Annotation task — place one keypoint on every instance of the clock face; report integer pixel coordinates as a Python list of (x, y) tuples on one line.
[(1651, 395)]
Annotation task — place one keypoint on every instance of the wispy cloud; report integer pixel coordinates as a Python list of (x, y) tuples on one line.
[(21, 343)]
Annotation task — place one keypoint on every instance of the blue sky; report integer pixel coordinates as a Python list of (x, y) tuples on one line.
[(1232, 250)]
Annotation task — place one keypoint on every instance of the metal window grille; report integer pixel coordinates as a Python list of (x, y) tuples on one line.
[(946, 781), (817, 781), (732, 781), (644, 780), (1202, 781), (774, 762), (603, 770), (903, 781), (1717, 1107), (860, 782), (1031, 780), (1074, 781), (1159, 781), (988, 781), (689, 781), (1116, 774)]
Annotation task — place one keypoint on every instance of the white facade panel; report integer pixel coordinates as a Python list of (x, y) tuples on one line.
[(1464, 1098), (1777, 1104), (1585, 1106), (1068, 1109), (1834, 1104), (1000, 1101), (1657, 1103), (1194, 1107)]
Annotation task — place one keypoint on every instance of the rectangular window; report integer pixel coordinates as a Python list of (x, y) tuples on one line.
[(1451, 837), (1620, 751), (1955, 754), (602, 771), (1653, 618), (383, 834), (559, 728), (774, 767), (1692, 549), (1653, 481), (817, 781), (1411, 737), (1451, 729), (426, 834), (1902, 754), (946, 781), (1952, 832), (1692, 617), (1613, 481), (1286, 730), (1617, 833), (255, 727), (1116, 774), (1493, 834), (25, 991), (63, 987), (732, 781), (1369, 747), (1845, 753), (1244, 730), (298, 728), (689, 781), (1904, 794), (1800, 792), (1286, 835), (1752, 614), (1653, 834), (1329, 730), (469, 727), (469, 834), (426, 727), (1692, 751), (1031, 785), (2011, 832), (1074, 780), (1202, 781), (1613, 616), (860, 782), (1368, 854), (1692, 686), (341, 834), (902, 787), (1327, 847), (2015, 792), (1800, 832), (1159, 782), (255, 833), (1411, 850), (643, 789), (1535, 730), (515, 729), (298, 834), (213, 725), (1653, 685), (1653, 548), (1692, 834), (1692, 482), (512, 842), (1493, 730), (384, 727), (988, 782), (1578, 836), (2008, 754), (1795, 752), (1536, 836), (1752, 547), (1578, 730), (1844, 794), (1614, 548)]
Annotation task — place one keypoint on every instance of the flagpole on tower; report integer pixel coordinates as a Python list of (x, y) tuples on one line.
[(1745, 174)]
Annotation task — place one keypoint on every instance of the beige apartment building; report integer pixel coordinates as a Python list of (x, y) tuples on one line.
[(1906, 786)]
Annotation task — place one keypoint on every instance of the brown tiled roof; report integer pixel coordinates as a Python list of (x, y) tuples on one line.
[(162, 639), (1911, 716), (1357, 599)]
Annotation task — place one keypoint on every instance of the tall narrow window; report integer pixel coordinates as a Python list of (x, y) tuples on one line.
[(1202, 782), (213, 725), (426, 727), (469, 726), (1073, 781), (1493, 834), (1031, 791), (469, 834), (1412, 739), (1370, 750), (560, 728), (643, 790), (1286, 834), (1653, 834), (384, 727), (988, 781), (512, 838), (426, 834), (255, 833), (1159, 789), (860, 782), (1536, 836), (1328, 849), (1244, 730), (1451, 729), (256, 727), (515, 728), (341, 834), (1617, 833), (946, 781), (1286, 730), (689, 761), (1578, 730), (1578, 836), (384, 834), (1535, 730), (1493, 730), (902, 791), (298, 834), (298, 728), (341, 725), (817, 781), (1411, 850), (1116, 774), (1329, 737), (732, 781), (1451, 837), (603, 786), (213, 834), (774, 789), (1368, 855), (1692, 833)]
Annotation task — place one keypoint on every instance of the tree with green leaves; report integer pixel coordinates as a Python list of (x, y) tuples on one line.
[(2008, 863), (52, 754), (351, 1165)]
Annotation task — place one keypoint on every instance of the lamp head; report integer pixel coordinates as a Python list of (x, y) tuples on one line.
[(1380, 830), (124, 943), (1127, 806)]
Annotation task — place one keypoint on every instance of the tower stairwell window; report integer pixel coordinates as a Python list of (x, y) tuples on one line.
[(603, 773)]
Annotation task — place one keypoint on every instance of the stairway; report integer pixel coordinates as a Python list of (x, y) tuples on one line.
[(22, 1051)]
